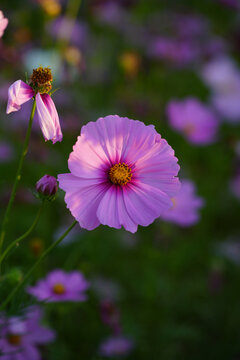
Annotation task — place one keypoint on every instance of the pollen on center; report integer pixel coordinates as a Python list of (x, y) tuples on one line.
[(120, 174), (59, 289)]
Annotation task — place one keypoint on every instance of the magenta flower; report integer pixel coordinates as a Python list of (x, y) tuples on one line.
[(3, 23), (116, 346), (20, 92), (60, 286), (122, 174), (20, 336), (194, 120), (186, 205)]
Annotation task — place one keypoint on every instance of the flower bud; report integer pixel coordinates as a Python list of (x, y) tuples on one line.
[(47, 187)]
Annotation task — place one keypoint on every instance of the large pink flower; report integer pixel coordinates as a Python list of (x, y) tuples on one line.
[(3, 23), (20, 92), (122, 174)]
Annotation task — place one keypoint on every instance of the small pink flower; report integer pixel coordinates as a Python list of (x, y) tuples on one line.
[(3, 23), (20, 92), (196, 121), (186, 205), (60, 286), (122, 174)]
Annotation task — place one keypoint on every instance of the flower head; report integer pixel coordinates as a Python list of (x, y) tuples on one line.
[(3, 23), (194, 120), (21, 335), (116, 346), (40, 84), (122, 174), (47, 187), (61, 286), (186, 204)]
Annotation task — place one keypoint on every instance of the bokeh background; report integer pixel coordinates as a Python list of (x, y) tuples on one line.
[(174, 290)]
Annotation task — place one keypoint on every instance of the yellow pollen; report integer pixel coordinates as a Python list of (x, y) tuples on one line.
[(120, 174), (41, 79), (14, 339), (59, 289)]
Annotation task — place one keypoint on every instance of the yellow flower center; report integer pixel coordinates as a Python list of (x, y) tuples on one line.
[(120, 174), (41, 79), (59, 289), (14, 339)]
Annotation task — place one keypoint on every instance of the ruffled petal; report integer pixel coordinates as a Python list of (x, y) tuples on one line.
[(18, 93), (48, 118), (112, 210), (145, 203)]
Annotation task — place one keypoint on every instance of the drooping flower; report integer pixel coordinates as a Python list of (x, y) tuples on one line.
[(40, 84), (196, 121), (116, 346), (186, 206), (3, 23), (60, 286), (20, 336), (122, 174), (47, 187)]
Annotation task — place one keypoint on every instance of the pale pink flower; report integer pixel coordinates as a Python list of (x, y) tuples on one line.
[(20, 92), (3, 23), (122, 174)]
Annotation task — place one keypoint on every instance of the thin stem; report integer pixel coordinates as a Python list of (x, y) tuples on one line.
[(19, 239), (29, 273), (18, 177)]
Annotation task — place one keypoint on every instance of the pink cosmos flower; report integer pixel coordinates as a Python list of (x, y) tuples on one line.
[(3, 23), (186, 204), (20, 92), (60, 286), (194, 120), (20, 336), (116, 346), (122, 174)]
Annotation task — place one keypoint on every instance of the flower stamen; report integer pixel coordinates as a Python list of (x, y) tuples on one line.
[(120, 174), (41, 80), (59, 289)]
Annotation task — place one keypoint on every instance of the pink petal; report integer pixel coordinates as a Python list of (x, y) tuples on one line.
[(3, 23), (18, 93), (84, 202), (145, 203), (112, 210), (48, 118)]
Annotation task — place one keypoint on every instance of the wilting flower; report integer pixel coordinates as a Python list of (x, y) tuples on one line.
[(61, 286), (186, 205), (3, 23), (20, 336), (122, 174), (116, 346), (194, 120), (47, 187), (40, 84)]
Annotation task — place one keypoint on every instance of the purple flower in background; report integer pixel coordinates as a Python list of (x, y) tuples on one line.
[(60, 286), (186, 205), (223, 78), (20, 92), (3, 23), (122, 174), (65, 28), (47, 186), (6, 152), (196, 121), (116, 346), (20, 336)]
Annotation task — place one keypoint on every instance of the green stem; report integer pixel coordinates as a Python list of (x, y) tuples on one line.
[(17, 178), (29, 273), (19, 239)]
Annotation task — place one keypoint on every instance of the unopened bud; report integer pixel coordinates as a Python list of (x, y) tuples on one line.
[(47, 187)]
